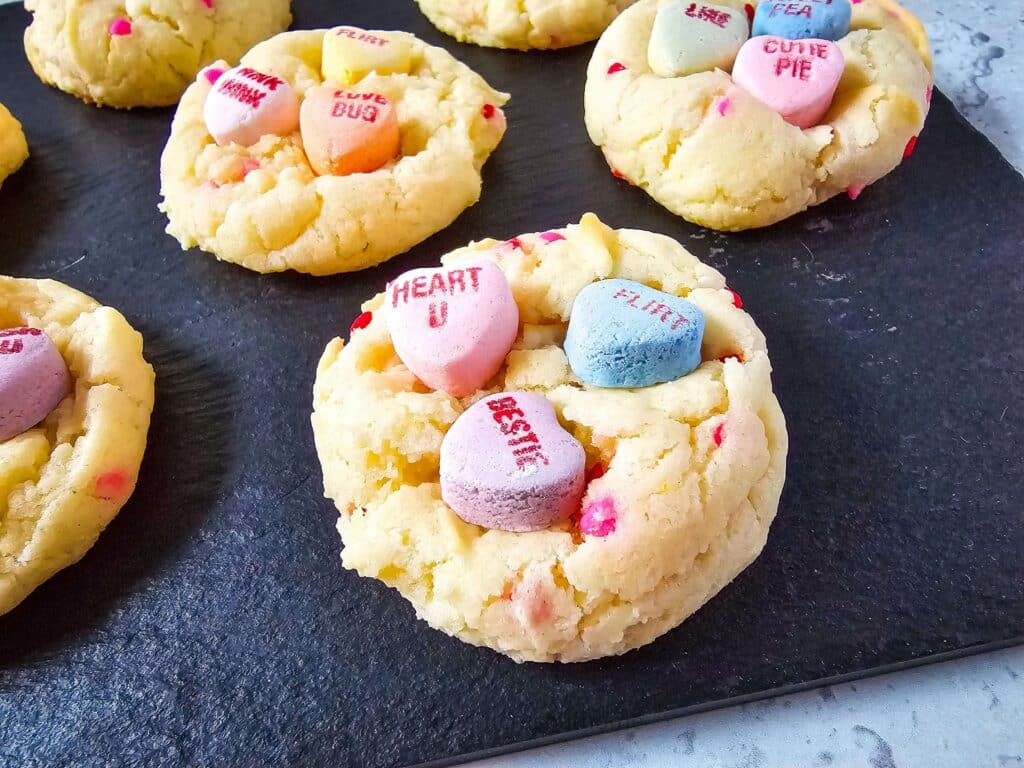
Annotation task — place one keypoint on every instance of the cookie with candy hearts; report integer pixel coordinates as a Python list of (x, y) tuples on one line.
[(824, 99), (541, 512), (13, 147), (327, 151), (142, 54), (75, 401)]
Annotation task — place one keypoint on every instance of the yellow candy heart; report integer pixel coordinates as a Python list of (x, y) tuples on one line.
[(351, 53)]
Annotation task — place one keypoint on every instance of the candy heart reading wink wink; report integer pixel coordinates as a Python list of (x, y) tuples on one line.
[(694, 37), (796, 78), (345, 132), (349, 54), (625, 334), (507, 463), (818, 19), (33, 379), (452, 327), (244, 105)]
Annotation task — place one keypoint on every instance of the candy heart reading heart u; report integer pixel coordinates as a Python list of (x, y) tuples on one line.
[(33, 379), (796, 78), (349, 54), (345, 132), (626, 334), (694, 37), (507, 463), (245, 104), (802, 19), (452, 327)]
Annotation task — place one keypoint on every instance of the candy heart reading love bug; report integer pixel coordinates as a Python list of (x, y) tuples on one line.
[(796, 78), (245, 104), (694, 37), (345, 132), (453, 326), (625, 334), (33, 379), (802, 19), (507, 463), (349, 54)]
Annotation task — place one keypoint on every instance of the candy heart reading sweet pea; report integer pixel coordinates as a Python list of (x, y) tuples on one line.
[(349, 54), (507, 463), (245, 104), (452, 327), (625, 334), (345, 132), (33, 379), (796, 78), (694, 37), (818, 19)]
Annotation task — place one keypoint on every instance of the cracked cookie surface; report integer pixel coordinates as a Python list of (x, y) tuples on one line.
[(63, 481), (710, 152), (694, 467), (13, 147), (70, 45), (523, 24), (264, 207)]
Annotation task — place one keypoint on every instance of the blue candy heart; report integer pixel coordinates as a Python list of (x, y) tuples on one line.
[(624, 334), (801, 19)]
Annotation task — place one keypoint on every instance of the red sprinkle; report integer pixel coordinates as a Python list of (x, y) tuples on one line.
[(551, 237), (750, 11), (909, 149), (487, 111), (212, 73), (736, 300), (854, 191), (249, 165), (595, 472), (111, 485), (618, 175), (616, 67), (723, 106), (928, 95), (360, 322), (120, 27), (731, 356), (598, 519), (208, 3), (515, 242), (717, 434)]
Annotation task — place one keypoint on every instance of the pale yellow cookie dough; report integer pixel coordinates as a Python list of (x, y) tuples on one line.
[(692, 513), (523, 24), (748, 167), (62, 482), (70, 46), (13, 147), (265, 208)]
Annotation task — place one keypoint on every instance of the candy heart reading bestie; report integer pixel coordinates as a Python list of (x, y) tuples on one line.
[(796, 78), (818, 19), (452, 327), (245, 104), (625, 334), (694, 37), (345, 132), (33, 379), (349, 54), (507, 463)]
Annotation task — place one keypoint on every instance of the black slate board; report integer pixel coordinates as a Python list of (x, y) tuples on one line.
[(213, 624)]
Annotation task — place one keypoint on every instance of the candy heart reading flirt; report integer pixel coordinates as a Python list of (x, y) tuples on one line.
[(625, 334), (796, 78), (349, 54), (245, 104), (345, 132), (452, 327), (507, 463), (33, 379), (694, 37), (819, 19)]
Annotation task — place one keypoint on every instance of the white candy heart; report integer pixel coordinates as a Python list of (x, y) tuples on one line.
[(692, 37), (244, 105)]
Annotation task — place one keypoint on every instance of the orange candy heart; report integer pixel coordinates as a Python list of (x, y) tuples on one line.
[(348, 132)]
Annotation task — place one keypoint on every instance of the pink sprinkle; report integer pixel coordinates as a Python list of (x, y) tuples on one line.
[(249, 165), (551, 237), (598, 519), (212, 74), (854, 191), (736, 300), (928, 95), (487, 110), (120, 27), (363, 321), (533, 603), (909, 149), (617, 175), (723, 106), (515, 242), (616, 67), (855, 2), (111, 485), (208, 3), (717, 434)]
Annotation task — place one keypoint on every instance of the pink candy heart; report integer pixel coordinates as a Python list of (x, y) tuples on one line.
[(33, 379), (506, 463), (796, 78), (452, 327), (245, 104)]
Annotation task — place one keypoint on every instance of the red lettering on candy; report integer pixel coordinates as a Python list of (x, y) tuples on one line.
[(360, 36), (437, 319), (448, 283), (703, 13), (21, 332), (11, 346), (531, 452), (654, 308)]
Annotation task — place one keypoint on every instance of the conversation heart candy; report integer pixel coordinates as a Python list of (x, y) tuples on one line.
[(694, 37), (345, 132), (33, 379), (507, 463), (349, 54), (453, 326), (625, 334), (796, 78), (802, 19), (245, 104)]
